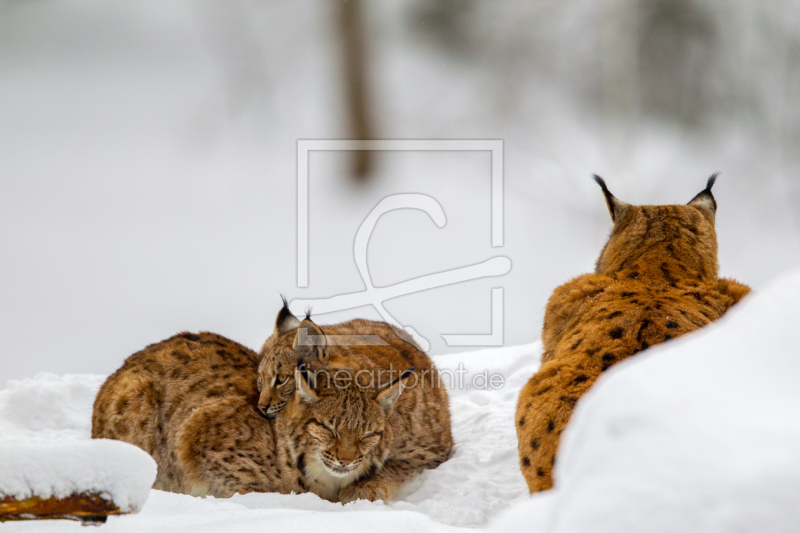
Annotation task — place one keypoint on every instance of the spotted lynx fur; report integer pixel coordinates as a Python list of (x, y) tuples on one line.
[(655, 279), (358, 349), (375, 354), (191, 402)]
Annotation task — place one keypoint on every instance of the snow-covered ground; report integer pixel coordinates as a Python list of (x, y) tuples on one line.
[(479, 481), (700, 434)]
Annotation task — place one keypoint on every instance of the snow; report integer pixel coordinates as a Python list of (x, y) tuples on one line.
[(118, 471), (45, 424), (479, 481), (48, 407), (699, 434)]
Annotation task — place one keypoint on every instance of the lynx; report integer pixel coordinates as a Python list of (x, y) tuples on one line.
[(369, 355), (655, 279), (191, 402), (364, 344)]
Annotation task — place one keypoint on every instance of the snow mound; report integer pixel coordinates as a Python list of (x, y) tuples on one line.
[(118, 471), (48, 407), (45, 446), (699, 434)]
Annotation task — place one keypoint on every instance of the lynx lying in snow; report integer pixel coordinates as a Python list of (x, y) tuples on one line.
[(375, 354), (357, 348), (655, 279), (191, 402)]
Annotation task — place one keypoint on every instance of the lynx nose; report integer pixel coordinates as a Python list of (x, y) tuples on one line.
[(264, 411), (345, 462)]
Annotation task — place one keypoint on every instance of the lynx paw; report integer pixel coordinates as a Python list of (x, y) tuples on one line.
[(355, 492)]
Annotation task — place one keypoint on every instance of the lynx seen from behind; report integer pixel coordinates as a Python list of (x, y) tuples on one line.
[(656, 279)]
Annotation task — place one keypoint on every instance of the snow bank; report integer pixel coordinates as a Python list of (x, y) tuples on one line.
[(480, 480), (118, 471), (45, 426), (700, 434), (48, 407)]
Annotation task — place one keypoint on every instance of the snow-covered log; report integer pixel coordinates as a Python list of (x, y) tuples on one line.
[(84, 480)]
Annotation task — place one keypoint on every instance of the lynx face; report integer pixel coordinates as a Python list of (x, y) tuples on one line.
[(189, 402), (278, 361), (293, 343), (344, 429), (342, 443), (275, 382)]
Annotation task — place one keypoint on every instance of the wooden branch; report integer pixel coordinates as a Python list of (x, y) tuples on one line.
[(88, 508)]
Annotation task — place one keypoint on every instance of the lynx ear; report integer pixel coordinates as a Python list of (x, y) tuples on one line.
[(617, 208), (705, 202), (286, 321), (310, 343), (389, 395), (305, 393)]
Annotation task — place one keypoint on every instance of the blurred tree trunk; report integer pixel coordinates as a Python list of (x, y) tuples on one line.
[(355, 83), (620, 65), (678, 50)]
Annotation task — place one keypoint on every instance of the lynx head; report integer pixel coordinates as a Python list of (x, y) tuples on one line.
[(292, 342), (343, 429), (649, 235)]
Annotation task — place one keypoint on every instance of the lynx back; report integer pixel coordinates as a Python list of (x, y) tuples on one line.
[(655, 279)]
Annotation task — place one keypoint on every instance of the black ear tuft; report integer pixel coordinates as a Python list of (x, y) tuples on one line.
[(602, 183), (409, 372), (711, 181), (308, 313), (283, 299), (616, 207), (704, 199), (285, 320)]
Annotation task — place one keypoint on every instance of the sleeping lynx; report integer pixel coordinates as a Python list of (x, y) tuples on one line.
[(655, 279), (190, 402), (373, 354)]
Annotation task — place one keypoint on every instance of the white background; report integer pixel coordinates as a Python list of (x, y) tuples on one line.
[(147, 163)]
